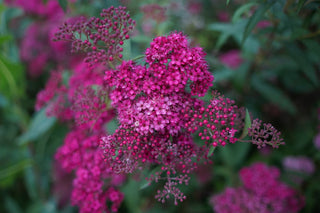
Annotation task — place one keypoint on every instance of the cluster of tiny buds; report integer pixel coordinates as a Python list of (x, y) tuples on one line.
[(215, 122), (265, 134), (101, 38)]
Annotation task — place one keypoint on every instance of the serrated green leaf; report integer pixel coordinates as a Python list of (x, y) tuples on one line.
[(63, 4), (255, 18), (273, 94), (211, 150), (247, 125), (39, 125)]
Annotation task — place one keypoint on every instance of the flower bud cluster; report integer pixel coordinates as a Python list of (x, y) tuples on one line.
[(101, 38)]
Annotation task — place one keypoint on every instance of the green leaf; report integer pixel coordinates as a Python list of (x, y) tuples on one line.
[(255, 18), (12, 206), (300, 5), (233, 155), (132, 198), (241, 10), (40, 124), (127, 49), (112, 126), (273, 94), (145, 183), (11, 78), (247, 125), (223, 75), (303, 62), (15, 168), (30, 182), (211, 150), (63, 4)]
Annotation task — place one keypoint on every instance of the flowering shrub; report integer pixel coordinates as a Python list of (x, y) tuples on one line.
[(92, 126), (156, 112)]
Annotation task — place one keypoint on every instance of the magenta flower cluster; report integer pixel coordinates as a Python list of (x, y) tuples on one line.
[(150, 101), (79, 97), (101, 38), (262, 191), (37, 49), (157, 105)]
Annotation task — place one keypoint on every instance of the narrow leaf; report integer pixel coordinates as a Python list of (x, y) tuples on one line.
[(273, 94), (305, 65), (211, 150), (40, 124), (244, 8), (247, 125), (256, 17), (13, 169), (145, 183)]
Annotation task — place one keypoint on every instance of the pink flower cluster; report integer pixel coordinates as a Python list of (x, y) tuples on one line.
[(215, 122), (101, 38), (150, 101), (36, 48), (231, 59), (261, 192), (80, 98)]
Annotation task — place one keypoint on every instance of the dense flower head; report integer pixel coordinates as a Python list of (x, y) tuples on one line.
[(261, 192), (101, 38), (215, 122), (173, 61)]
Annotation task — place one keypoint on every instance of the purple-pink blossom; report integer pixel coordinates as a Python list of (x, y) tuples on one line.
[(262, 191)]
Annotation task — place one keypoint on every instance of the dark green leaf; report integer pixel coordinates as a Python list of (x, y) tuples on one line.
[(39, 125), (30, 182), (112, 126), (211, 150), (15, 168), (12, 206), (300, 5), (234, 154), (303, 62), (63, 4), (132, 198), (244, 8), (11, 78), (256, 17), (247, 125), (273, 94), (145, 183)]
